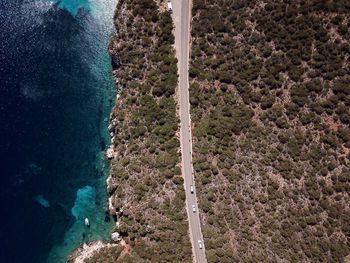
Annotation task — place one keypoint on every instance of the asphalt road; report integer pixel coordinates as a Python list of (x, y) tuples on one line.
[(181, 17)]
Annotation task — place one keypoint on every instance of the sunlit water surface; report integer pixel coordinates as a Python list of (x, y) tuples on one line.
[(56, 95)]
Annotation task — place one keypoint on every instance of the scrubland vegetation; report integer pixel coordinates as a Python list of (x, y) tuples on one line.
[(146, 177), (270, 100)]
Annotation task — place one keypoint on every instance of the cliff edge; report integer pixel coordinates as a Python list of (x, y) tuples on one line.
[(147, 197)]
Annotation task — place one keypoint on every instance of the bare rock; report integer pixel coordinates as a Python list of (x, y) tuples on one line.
[(86, 251), (111, 153), (111, 184), (116, 237)]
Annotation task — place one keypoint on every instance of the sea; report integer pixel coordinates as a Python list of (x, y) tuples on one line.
[(56, 93)]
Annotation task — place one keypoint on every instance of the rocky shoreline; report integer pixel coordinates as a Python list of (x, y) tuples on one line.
[(145, 184), (87, 250)]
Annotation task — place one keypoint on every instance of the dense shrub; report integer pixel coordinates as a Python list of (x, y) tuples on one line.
[(270, 100), (146, 177)]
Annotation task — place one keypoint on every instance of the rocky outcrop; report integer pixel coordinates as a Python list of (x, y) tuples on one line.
[(147, 197), (87, 251), (111, 153), (116, 237)]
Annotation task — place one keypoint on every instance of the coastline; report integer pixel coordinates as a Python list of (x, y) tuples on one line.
[(147, 199), (56, 98), (235, 148), (91, 197)]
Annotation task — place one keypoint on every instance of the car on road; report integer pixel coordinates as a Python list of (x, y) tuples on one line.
[(200, 245), (170, 7), (191, 189), (193, 208)]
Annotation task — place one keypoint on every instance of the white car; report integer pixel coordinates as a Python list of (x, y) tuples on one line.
[(193, 208), (200, 244), (191, 189), (170, 7)]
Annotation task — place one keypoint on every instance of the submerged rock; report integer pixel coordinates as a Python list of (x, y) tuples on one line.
[(107, 219), (115, 61), (42, 201)]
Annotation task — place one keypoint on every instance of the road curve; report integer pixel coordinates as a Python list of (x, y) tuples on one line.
[(181, 16)]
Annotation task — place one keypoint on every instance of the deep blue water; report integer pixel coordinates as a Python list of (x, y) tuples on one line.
[(56, 92)]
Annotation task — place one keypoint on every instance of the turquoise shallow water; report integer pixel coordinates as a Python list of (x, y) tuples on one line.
[(91, 199), (56, 95), (73, 6)]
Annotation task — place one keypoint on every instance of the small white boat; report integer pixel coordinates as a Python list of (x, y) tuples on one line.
[(87, 223)]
